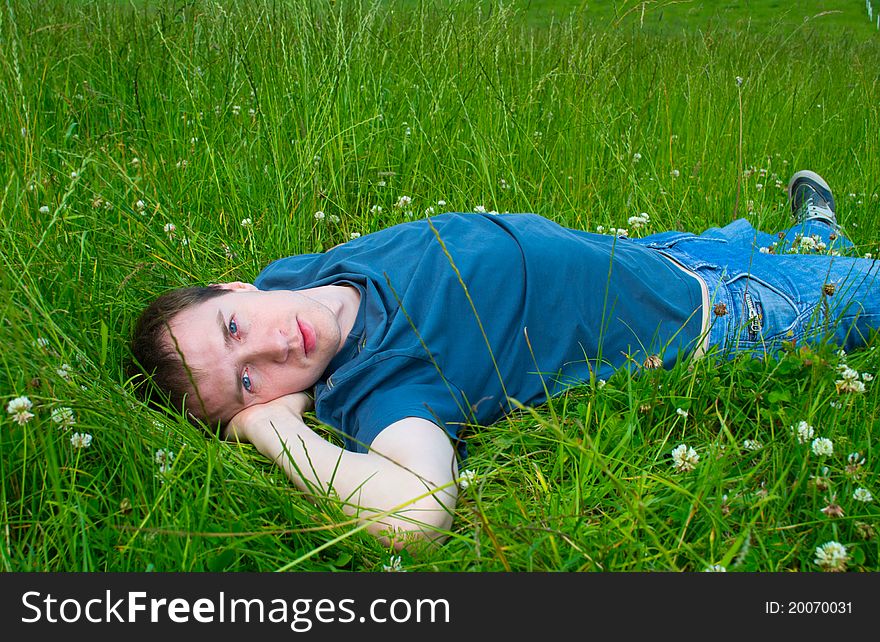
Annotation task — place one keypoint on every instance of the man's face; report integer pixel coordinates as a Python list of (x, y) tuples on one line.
[(251, 346)]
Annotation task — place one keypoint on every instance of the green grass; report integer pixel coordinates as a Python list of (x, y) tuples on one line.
[(676, 17), (355, 105)]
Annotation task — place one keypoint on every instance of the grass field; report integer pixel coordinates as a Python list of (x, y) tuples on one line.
[(151, 145)]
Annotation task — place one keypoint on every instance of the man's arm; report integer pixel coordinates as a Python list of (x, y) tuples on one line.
[(404, 484)]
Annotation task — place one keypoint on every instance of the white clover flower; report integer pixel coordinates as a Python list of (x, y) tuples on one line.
[(681, 412), (334, 218), (503, 183), (140, 205), (715, 568), (441, 202), (831, 556), (381, 183), (675, 173), (600, 229), (601, 383), (480, 209), (319, 215), (847, 373), (164, 458), (135, 161), (169, 228), (867, 376), (236, 110), (19, 408), (855, 459), (73, 175), (637, 157), (63, 417), (638, 221), (81, 440), (44, 209), (63, 371), (19, 404), (752, 444), (465, 479), (863, 495), (429, 211), (394, 565), (402, 202), (849, 386), (376, 209), (184, 240), (355, 235), (804, 244), (803, 431), (764, 250), (739, 81), (684, 459), (247, 222), (822, 447), (252, 112)]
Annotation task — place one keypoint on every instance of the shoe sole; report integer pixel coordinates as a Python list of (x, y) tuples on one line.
[(805, 173)]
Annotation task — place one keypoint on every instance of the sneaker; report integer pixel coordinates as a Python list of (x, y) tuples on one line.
[(811, 198)]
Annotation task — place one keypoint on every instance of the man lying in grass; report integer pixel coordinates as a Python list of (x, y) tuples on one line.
[(406, 336)]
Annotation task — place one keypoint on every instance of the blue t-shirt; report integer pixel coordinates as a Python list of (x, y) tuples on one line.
[(462, 313)]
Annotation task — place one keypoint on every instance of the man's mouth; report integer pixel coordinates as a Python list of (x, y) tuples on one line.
[(308, 336)]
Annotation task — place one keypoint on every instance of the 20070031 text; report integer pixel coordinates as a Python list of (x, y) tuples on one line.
[(808, 608)]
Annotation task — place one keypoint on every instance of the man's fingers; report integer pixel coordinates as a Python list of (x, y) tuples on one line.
[(234, 433)]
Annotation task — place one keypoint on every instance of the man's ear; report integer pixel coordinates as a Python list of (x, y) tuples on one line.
[(237, 285)]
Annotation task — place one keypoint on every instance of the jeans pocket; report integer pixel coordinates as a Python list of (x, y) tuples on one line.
[(693, 252), (761, 312)]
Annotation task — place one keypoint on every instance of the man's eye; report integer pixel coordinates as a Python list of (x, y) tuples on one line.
[(246, 381), (233, 327)]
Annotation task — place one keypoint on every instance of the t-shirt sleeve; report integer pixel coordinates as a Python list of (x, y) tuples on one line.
[(379, 410)]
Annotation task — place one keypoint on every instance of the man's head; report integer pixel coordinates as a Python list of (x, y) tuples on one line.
[(222, 348)]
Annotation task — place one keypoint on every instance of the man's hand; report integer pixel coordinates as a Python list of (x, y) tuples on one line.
[(243, 425)]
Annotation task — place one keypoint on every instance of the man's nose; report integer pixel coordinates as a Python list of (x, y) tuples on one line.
[(271, 345)]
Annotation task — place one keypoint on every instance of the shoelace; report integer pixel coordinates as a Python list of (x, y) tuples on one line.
[(817, 211)]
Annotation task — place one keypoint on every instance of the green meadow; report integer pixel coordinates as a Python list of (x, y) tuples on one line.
[(151, 145)]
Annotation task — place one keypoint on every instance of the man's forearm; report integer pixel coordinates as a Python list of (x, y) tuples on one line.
[(307, 459), (369, 484)]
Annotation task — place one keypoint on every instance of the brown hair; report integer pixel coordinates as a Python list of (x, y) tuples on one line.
[(156, 355)]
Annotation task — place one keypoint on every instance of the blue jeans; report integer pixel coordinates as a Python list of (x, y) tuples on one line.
[(794, 290)]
